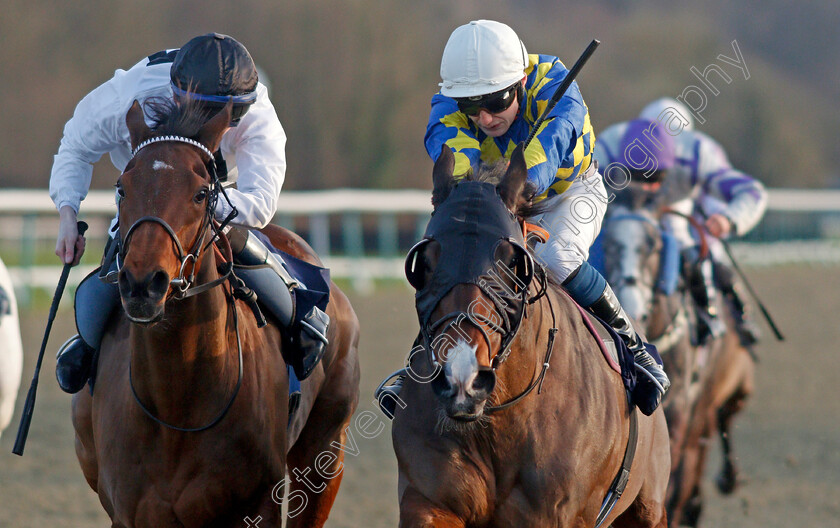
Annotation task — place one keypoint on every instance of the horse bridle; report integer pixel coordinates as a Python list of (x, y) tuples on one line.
[(513, 325), (500, 296), (183, 284)]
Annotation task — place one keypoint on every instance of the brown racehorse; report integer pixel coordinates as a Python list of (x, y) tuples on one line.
[(710, 384), (496, 439), (187, 425)]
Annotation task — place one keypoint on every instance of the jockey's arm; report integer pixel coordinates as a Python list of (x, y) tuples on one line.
[(728, 192), (562, 148), (93, 131), (448, 126), (258, 144), (555, 157)]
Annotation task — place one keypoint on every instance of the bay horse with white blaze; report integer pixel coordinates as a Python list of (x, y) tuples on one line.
[(187, 425), (486, 434)]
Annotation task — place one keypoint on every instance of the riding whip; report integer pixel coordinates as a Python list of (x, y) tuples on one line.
[(758, 302), (29, 405), (561, 90)]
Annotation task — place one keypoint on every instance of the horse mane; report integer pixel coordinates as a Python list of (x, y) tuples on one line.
[(493, 173), (183, 117)]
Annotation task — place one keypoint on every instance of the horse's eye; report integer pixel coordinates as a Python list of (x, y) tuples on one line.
[(200, 196), (120, 190)]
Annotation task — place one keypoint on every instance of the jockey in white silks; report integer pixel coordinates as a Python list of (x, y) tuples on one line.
[(209, 71)]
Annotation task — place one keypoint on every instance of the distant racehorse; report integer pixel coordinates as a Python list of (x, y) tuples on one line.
[(512, 416), (11, 350), (709, 384), (187, 425)]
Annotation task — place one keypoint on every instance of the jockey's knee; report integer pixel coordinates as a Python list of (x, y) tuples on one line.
[(560, 260)]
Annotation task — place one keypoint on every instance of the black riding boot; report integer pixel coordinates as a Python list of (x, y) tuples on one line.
[(748, 332), (73, 364), (264, 272), (94, 302), (650, 390), (698, 273)]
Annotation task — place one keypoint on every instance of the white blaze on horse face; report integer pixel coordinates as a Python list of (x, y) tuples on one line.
[(461, 369), (160, 165)]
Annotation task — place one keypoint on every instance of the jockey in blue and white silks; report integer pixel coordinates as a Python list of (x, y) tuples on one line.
[(686, 171)]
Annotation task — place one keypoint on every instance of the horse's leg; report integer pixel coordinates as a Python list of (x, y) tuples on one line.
[(83, 424), (683, 492), (692, 506), (316, 459), (727, 479), (418, 512)]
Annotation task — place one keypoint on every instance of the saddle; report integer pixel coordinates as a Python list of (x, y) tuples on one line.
[(612, 346)]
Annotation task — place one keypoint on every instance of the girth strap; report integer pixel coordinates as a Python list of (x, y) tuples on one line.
[(620, 482)]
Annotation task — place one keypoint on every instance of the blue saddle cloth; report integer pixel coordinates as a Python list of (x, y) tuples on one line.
[(315, 279), (625, 356)]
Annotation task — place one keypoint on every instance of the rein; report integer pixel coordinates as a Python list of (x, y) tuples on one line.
[(183, 283), (226, 408), (698, 227), (552, 332)]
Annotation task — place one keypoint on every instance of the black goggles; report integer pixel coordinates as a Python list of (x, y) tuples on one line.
[(241, 103), (493, 103)]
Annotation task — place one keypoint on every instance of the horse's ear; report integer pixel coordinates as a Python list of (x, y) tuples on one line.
[(442, 174), (211, 133), (138, 130), (512, 186)]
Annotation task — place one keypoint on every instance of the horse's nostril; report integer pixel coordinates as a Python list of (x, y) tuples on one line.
[(630, 281), (126, 283), (158, 284), (153, 286), (484, 382)]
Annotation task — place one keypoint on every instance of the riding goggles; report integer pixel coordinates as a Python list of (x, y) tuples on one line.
[(493, 103), (241, 103)]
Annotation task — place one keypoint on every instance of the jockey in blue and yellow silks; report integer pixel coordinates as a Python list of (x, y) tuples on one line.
[(551, 168), (492, 94)]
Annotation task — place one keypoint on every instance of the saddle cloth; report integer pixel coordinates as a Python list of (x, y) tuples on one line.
[(613, 348)]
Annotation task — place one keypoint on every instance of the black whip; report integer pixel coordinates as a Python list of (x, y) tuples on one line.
[(561, 90), (29, 405)]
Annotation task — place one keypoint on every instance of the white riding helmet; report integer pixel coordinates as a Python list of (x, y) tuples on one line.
[(666, 109), (480, 58)]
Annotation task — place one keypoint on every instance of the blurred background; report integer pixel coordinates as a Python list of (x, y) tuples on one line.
[(351, 79), (351, 82)]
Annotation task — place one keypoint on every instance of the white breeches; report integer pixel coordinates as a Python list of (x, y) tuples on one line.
[(573, 220)]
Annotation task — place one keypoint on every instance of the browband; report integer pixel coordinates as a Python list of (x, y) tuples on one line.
[(172, 138)]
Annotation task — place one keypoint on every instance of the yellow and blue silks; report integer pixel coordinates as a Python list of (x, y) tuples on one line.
[(561, 149)]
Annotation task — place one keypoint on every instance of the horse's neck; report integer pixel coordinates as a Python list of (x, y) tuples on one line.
[(192, 349)]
